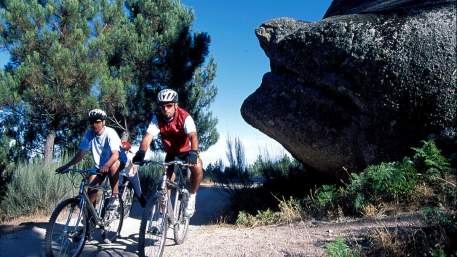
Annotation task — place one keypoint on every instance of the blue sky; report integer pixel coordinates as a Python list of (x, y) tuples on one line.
[(242, 62)]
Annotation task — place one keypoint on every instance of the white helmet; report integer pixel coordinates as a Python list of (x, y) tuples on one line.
[(97, 114), (167, 96)]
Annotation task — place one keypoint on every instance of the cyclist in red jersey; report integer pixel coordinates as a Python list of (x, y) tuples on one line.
[(179, 137)]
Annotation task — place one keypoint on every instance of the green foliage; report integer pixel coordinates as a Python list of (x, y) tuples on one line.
[(289, 211), (262, 218), (384, 182), (235, 154), (150, 175), (33, 188), (339, 248), (438, 252), (327, 196), (6, 164), (70, 56), (434, 217), (150, 47), (236, 176), (390, 182), (46, 86), (428, 158), (271, 169)]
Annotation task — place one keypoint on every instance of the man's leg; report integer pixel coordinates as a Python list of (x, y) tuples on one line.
[(136, 185), (92, 193), (196, 177), (114, 178)]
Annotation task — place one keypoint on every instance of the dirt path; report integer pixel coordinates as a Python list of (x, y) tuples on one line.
[(299, 239), (209, 240), (26, 238)]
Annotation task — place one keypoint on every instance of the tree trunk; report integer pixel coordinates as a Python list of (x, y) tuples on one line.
[(49, 147)]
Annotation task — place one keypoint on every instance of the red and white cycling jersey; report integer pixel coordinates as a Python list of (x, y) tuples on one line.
[(175, 133)]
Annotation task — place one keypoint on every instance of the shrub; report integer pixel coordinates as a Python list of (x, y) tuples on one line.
[(384, 182), (35, 187), (339, 248), (150, 175), (327, 196), (262, 218), (429, 160), (289, 211)]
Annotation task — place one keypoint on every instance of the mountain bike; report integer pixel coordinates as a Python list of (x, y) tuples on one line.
[(165, 208), (74, 219)]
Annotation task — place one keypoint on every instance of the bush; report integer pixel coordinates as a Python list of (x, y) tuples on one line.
[(34, 187), (327, 197), (150, 175), (339, 248), (429, 160), (289, 211), (385, 182)]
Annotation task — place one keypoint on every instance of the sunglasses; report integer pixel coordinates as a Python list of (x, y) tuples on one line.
[(166, 106), (95, 121)]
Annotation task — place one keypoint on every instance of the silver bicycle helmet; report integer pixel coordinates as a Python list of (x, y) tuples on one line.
[(167, 96), (97, 114)]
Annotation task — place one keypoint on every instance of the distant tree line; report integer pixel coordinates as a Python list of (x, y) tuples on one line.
[(69, 56)]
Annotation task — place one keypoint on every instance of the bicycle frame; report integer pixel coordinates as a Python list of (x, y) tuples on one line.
[(165, 209), (85, 202), (167, 185)]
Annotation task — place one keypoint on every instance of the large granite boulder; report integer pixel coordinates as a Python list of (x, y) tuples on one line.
[(355, 89)]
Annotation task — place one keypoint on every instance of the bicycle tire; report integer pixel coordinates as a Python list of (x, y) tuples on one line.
[(113, 221), (127, 198), (153, 229), (68, 228), (182, 223)]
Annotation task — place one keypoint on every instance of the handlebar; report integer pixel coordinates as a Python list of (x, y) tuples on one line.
[(88, 171)]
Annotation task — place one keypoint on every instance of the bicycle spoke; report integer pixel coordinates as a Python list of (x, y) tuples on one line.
[(153, 231), (66, 232)]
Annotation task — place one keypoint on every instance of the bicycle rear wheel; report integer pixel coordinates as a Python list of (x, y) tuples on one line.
[(153, 229), (67, 230), (113, 220)]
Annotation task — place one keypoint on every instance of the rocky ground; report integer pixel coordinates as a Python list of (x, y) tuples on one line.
[(205, 238)]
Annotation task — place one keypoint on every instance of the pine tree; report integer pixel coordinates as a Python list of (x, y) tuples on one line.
[(46, 87), (155, 49), (70, 56)]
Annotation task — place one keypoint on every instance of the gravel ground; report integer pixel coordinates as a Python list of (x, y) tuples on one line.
[(298, 239), (204, 239)]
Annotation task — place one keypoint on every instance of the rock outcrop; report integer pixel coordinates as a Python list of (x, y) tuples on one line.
[(355, 89)]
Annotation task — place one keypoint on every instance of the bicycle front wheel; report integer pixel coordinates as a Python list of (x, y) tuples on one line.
[(182, 223), (153, 229), (67, 230)]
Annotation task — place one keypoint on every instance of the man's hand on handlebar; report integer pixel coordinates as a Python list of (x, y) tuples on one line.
[(61, 170), (139, 157)]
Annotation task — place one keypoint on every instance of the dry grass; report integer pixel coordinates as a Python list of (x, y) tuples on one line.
[(370, 210), (388, 241), (40, 216), (290, 210)]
